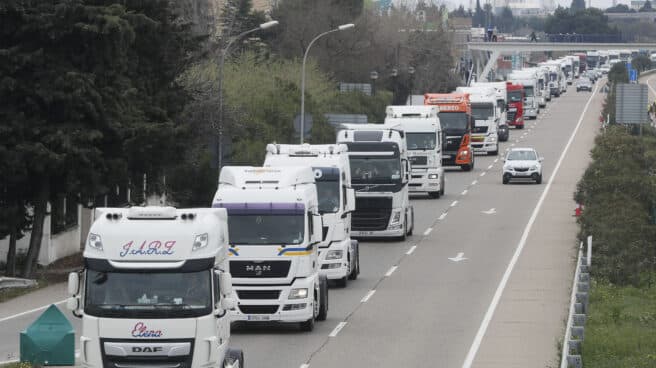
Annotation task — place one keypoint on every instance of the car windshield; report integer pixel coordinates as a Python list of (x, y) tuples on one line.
[(453, 120), (328, 193), (148, 294), (261, 229), (375, 170), (482, 111), (522, 156), (421, 141), (515, 96)]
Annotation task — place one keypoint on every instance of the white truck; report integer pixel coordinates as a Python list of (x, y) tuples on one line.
[(528, 79), (423, 136), (380, 173), (275, 229), (484, 137), (544, 94), (339, 255), (501, 93), (155, 290)]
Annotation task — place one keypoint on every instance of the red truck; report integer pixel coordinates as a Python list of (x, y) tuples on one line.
[(515, 100)]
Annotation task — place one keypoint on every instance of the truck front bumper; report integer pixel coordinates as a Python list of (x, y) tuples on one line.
[(530, 112), (337, 268), (280, 309), (425, 180)]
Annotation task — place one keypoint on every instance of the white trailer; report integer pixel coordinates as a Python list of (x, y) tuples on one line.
[(423, 136), (275, 229), (380, 173), (155, 289), (484, 135), (339, 255)]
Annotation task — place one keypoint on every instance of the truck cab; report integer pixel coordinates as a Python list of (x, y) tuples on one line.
[(155, 289), (275, 229), (380, 173), (423, 135), (484, 137), (339, 255), (515, 111), (456, 120), (529, 80)]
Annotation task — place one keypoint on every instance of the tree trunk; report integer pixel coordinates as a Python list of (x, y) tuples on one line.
[(11, 252), (40, 208)]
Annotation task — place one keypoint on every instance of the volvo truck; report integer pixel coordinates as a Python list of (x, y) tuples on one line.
[(155, 290), (339, 255), (484, 137), (456, 120), (423, 135), (380, 173), (275, 229)]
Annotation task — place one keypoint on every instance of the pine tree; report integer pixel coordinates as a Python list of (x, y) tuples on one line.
[(577, 5)]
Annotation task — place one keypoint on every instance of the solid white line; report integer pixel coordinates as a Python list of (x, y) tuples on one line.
[(368, 296), (649, 85), (454, 203), (428, 231), (483, 173), (464, 192), (411, 250), (474, 182), (469, 360), (490, 167), (337, 329), (442, 216), (31, 311), (391, 271)]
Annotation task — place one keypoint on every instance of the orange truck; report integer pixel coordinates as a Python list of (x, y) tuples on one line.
[(456, 120)]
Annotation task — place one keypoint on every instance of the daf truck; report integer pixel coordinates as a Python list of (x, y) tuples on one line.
[(456, 120), (484, 135), (155, 290), (275, 229), (380, 173), (529, 80), (339, 255), (423, 135)]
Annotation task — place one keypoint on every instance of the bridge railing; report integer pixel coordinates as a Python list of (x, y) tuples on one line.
[(584, 38)]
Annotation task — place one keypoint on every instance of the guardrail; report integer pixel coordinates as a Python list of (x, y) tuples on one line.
[(578, 308)]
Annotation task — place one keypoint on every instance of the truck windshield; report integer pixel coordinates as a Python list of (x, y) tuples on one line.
[(375, 169), (528, 91), (328, 193), (261, 229), (453, 120), (148, 294), (514, 96), (421, 141), (482, 111)]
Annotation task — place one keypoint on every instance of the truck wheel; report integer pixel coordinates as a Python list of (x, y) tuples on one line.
[(434, 195), (234, 359), (442, 186), (412, 228), (355, 269), (323, 299), (495, 152)]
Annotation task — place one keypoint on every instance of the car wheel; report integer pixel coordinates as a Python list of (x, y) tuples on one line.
[(539, 179), (434, 195), (506, 179)]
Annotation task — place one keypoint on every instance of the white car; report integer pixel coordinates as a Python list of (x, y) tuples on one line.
[(522, 163)]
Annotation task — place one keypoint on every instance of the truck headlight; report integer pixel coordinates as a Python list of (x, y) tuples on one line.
[(492, 138), (396, 217), (464, 152), (200, 242), (95, 241), (433, 176), (334, 254), (300, 293)]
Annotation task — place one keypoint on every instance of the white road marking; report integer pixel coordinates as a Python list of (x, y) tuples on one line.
[(464, 192), (442, 216), (491, 211), (428, 231), (31, 311), (511, 145), (454, 203), (469, 359), (368, 296), (516, 140), (490, 167), (496, 160), (305, 365), (337, 329), (483, 173), (391, 271), (460, 257), (474, 182), (411, 250)]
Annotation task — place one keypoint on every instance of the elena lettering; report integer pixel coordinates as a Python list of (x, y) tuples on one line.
[(148, 248), (141, 330)]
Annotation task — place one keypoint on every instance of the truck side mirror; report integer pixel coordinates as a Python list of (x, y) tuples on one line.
[(317, 230), (225, 282), (350, 200), (228, 303), (73, 283)]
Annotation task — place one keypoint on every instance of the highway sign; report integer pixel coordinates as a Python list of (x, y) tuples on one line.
[(631, 104)]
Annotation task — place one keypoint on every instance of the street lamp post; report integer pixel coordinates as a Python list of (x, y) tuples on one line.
[(373, 76), (343, 27), (224, 52)]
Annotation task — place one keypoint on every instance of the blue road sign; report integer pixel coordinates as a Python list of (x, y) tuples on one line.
[(633, 75)]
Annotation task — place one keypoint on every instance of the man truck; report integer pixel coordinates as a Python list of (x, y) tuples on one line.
[(486, 118), (339, 255), (456, 120), (155, 290), (275, 229)]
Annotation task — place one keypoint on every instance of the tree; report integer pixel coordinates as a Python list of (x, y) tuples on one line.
[(577, 5), (620, 8), (641, 63), (478, 19), (646, 7), (460, 12), (588, 21), (505, 21)]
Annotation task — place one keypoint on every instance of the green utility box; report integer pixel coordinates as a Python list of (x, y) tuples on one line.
[(50, 340)]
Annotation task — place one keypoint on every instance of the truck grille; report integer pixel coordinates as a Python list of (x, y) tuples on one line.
[(510, 116), (419, 160), (145, 361), (264, 269), (453, 144), (258, 294), (479, 129), (372, 213), (258, 309)]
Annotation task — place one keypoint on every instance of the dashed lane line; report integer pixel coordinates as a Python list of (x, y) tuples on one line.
[(474, 182), (483, 173), (464, 192), (391, 271), (490, 167), (442, 216), (454, 203), (428, 231), (337, 329), (368, 296), (411, 250)]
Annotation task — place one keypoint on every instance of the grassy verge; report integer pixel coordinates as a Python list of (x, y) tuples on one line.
[(16, 365), (621, 327), (9, 294)]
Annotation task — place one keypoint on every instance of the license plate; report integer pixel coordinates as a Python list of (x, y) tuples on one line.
[(258, 317), (446, 156)]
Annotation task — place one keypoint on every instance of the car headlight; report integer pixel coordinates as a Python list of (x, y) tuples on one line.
[(200, 242), (534, 167), (433, 176), (396, 217), (507, 168), (300, 293), (95, 241), (334, 254)]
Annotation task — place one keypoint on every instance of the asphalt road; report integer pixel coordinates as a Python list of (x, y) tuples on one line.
[(412, 305)]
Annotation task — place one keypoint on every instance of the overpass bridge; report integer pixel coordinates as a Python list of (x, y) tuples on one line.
[(485, 54)]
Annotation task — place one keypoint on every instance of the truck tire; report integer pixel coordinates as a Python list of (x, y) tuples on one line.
[(442, 186), (495, 152), (355, 270), (434, 195), (341, 283), (234, 359), (323, 299), (308, 325)]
